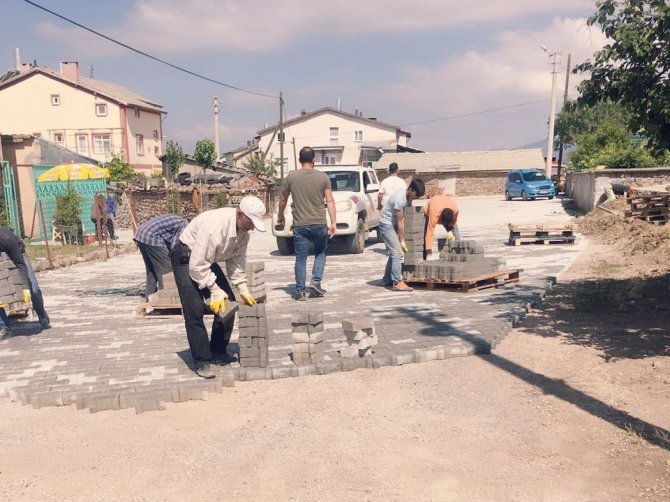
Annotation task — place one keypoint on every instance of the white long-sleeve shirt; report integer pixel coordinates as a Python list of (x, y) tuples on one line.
[(212, 237)]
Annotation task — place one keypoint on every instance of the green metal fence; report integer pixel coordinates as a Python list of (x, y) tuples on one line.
[(11, 204)]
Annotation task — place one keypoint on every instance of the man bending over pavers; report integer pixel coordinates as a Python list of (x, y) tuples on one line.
[(218, 235), (15, 249), (392, 228), (309, 188), (440, 209), (155, 239)]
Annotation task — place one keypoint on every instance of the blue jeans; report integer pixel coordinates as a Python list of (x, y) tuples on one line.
[(303, 238), (35, 291), (393, 272)]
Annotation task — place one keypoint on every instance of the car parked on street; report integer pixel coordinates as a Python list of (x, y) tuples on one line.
[(528, 184), (355, 191)]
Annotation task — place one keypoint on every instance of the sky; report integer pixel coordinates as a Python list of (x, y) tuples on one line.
[(427, 66)]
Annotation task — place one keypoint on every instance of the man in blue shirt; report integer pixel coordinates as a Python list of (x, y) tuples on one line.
[(392, 229), (155, 239)]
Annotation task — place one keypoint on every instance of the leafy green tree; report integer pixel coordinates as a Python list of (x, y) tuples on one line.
[(119, 170), (256, 165), (205, 153), (633, 67), (602, 136), (68, 214), (174, 157)]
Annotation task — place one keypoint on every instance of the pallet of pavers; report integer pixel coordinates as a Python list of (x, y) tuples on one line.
[(541, 233), (462, 265), (11, 288), (165, 302), (653, 207)]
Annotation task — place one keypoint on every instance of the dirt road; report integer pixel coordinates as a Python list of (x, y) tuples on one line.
[(478, 428)]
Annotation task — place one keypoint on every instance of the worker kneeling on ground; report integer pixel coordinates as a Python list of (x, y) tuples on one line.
[(392, 229), (218, 235), (155, 239), (440, 209)]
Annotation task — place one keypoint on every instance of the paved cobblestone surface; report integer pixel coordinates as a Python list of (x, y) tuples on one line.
[(99, 355)]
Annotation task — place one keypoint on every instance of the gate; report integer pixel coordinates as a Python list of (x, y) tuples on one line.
[(11, 204)]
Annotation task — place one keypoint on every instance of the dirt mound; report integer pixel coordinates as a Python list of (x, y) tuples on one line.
[(647, 245)]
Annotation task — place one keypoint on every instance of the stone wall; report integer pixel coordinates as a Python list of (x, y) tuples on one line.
[(460, 184), (587, 189), (150, 203)]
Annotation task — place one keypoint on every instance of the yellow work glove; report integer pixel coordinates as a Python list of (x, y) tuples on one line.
[(26, 296), (217, 300), (451, 236), (405, 249), (248, 299)]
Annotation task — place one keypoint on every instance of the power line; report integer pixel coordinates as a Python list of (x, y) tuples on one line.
[(481, 112), (159, 60)]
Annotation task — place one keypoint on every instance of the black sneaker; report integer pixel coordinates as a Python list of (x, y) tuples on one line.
[(317, 290), (223, 358), (301, 297), (45, 323), (204, 370)]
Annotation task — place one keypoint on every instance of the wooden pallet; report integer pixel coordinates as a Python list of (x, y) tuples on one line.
[(485, 281), (163, 311), (652, 207)]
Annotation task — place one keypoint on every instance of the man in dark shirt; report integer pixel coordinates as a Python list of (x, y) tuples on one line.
[(309, 188), (15, 250), (155, 239)]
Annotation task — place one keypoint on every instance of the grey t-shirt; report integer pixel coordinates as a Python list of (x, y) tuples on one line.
[(307, 187)]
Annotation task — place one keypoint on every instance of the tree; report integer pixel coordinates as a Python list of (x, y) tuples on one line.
[(174, 157), (68, 215), (256, 165), (602, 136), (205, 153), (118, 169), (633, 68)]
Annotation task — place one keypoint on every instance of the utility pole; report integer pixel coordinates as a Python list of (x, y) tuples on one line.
[(281, 134), (216, 129), (552, 112), (565, 100), (295, 155), (91, 72)]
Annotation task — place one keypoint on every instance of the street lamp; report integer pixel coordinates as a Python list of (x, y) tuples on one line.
[(552, 110)]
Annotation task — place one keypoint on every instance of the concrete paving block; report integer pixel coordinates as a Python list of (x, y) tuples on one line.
[(299, 327), (380, 361), (44, 399), (261, 342), (300, 337), (316, 327), (401, 359), (259, 374), (367, 342), (316, 357), (104, 403), (301, 358), (306, 369), (349, 352), (250, 362), (192, 391), (224, 378), (332, 366), (301, 348), (300, 317), (354, 364), (284, 372), (315, 347), (240, 373), (316, 337), (358, 324), (246, 352), (148, 403)]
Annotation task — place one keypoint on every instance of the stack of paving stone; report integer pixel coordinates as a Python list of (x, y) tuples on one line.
[(11, 286), (253, 336), (307, 331), (458, 261), (361, 337), (168, 295), (415, 223), (255, 271)]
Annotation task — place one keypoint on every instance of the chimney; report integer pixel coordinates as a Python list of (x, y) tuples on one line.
[(303, 112), (356, 112), (338, 104), (70, 69), (24, 67)]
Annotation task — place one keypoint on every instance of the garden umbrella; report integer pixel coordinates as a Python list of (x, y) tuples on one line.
[(71, 172)]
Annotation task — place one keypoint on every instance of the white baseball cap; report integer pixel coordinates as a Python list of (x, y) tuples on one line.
[(254, 208)]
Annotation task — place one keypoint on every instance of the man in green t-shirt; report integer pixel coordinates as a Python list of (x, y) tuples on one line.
[(309, 188)]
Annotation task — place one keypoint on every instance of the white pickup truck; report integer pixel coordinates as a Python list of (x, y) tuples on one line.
[(355, 190)]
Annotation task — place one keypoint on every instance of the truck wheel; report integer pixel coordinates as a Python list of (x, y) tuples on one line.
[(551, 197), (356, 242), (524, 195), (507, 195), (285, 245)]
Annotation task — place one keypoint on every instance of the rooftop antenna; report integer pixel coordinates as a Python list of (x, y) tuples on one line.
[(91, 72)]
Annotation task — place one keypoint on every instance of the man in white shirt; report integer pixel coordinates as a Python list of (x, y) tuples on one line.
[(390, 185), (219, 235)]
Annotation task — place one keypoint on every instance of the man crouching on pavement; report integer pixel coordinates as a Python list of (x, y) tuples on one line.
[(218, 235)]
